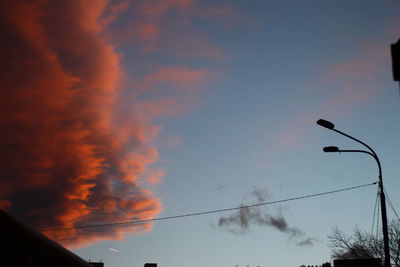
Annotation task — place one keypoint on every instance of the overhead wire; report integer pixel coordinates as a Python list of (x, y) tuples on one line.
[(202, 212), (377, 220), (390, 204), (377, 217)]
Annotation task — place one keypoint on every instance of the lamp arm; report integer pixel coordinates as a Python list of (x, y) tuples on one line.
[(369, 153), (372, 153), (359, 151), (355, 139)]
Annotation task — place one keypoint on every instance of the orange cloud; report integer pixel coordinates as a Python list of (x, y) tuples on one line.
[(293, 133), (112, 13), (356, 81), (155, 177), (182, 78), (172, 142), (77, 141), (148, 30), (65, 161), (167, 27), (160, 7)]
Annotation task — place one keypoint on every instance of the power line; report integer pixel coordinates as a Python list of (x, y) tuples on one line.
[(391, 205), (375, 213), (203, 212), (377, 221)]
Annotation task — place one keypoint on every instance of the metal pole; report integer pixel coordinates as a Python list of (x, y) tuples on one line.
[(382, 197), (384, 223)]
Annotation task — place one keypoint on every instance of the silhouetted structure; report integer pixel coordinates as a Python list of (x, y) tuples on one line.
[(329, 125), (97, 264), (150, 265), (358, 263), (22, 246), (395, 49), (326, 264)]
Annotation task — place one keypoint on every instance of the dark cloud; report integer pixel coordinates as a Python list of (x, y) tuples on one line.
[(306, 242), (241, 221), (244, 218), (261, 194)]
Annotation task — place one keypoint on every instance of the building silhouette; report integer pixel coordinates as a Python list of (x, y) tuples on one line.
[(25, 247), (358, 263), (395, 51)]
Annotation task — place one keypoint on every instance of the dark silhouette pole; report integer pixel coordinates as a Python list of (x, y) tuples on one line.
[(372, 153)]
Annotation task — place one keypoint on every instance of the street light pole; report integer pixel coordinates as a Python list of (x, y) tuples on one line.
[(372, 153)]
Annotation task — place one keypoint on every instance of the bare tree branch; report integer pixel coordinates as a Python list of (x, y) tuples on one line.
[(361, 244)]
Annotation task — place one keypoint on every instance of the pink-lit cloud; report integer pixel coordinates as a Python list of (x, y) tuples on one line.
[(166, 27), (77, 141), (183, 78), (352, 83)]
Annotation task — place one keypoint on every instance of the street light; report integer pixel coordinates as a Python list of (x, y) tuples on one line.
[(371, 152), (331, 149)]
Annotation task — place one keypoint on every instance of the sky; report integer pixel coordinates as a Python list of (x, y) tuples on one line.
[(114, 111)]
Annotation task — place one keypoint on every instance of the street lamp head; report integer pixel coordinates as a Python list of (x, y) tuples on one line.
[(326, 124), (331, 149)]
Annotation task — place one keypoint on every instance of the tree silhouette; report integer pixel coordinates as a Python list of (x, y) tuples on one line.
[(361, 244)]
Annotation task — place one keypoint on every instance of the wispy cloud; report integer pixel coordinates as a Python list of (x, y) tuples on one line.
[(307, 242), (241, 221), (183, 78), (114, 250), (153, 29), (350, 84)]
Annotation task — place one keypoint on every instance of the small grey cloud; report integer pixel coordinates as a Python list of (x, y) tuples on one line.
[(261, 194), (245, 217), (221, 188), (306, 242), (240, 222)]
